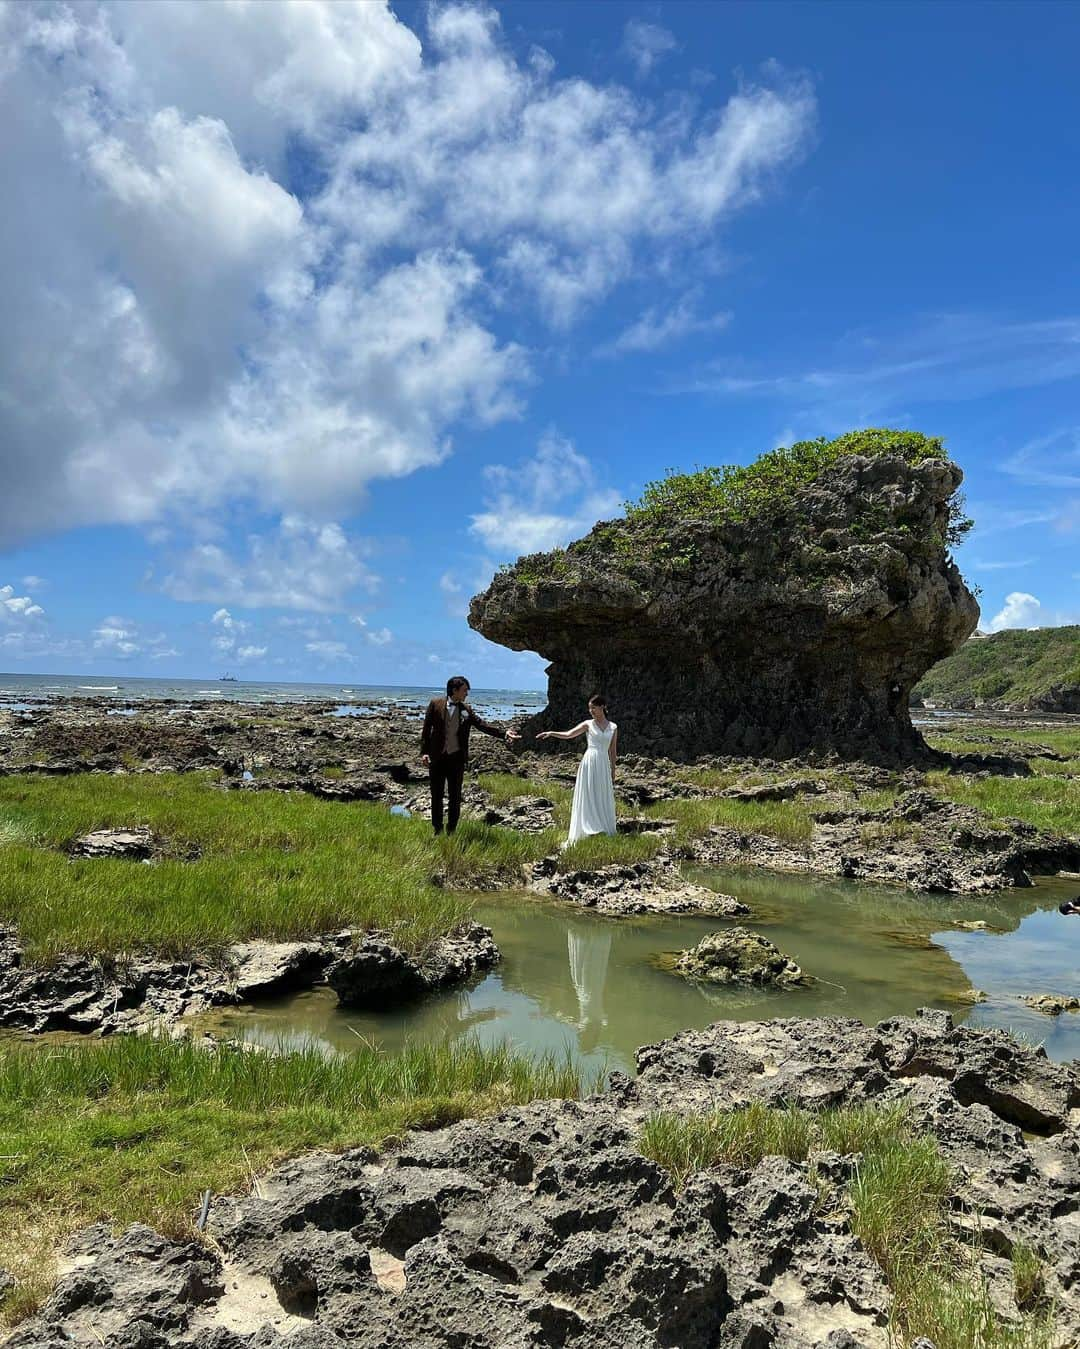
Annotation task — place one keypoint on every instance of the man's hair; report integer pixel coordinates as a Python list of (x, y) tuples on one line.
[(455, 682)]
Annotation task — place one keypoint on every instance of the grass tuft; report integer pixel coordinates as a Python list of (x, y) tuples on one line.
[(897, 1201)]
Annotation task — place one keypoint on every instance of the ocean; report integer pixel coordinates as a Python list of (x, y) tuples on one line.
[(26, 690)]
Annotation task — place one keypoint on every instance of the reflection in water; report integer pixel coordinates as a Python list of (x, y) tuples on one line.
[(571, 981), (589, 952)]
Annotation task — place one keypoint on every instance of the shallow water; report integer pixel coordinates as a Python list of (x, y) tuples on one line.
[(572, 981)]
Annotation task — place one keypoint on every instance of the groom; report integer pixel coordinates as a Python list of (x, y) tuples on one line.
[(444, 748)]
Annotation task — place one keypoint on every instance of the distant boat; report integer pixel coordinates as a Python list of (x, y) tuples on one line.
[(228, 679)]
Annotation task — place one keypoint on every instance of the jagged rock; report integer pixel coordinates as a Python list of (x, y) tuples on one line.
[(83, 994), (139, 1286), (800, 627), (528, 814), (639, 887), (738, 956), (775, 791), (545, 1225), (1053, 1004), (134, 843), (376, 972)]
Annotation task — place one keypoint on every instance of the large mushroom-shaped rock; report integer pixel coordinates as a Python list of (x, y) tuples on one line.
[(782, 608)]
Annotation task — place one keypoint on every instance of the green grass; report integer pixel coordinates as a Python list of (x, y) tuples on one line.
[(1027, 1274), (997, 740), (505, 787), (881, 798), (719, 779), (277, 865), (1051, 803), (135, 1129), (897, 1200), (889, 831), (788, 821)]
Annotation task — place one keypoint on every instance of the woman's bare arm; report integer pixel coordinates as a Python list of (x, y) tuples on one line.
[(571, 734), (612, 751)]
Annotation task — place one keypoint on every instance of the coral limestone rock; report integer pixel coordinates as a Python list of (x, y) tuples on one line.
[(738, 956), (782, 608)]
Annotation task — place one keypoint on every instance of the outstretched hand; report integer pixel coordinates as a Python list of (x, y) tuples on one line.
[(511, 736), (543, 735)]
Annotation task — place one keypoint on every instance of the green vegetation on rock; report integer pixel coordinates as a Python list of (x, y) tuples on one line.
[(135, 1129), (1015, 668), (732, 494), (897, 1205), (737, 492)]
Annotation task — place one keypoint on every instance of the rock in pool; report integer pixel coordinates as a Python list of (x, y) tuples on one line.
[(738, 956), (1053, 1004)]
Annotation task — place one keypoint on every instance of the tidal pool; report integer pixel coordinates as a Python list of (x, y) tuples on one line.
[(573, 982)]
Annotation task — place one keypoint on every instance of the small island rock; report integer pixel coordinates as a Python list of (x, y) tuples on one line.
[(739, 956)]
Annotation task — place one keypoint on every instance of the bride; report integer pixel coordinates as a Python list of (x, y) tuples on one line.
[(593, 810)]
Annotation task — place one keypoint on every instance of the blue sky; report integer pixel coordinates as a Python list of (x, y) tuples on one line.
[(326, 311)]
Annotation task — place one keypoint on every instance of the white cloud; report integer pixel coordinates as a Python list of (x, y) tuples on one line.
[(329, 650), (993, 519), (302, 565), (1049, 461), (646, 43), (380, 637), (34, 582), (359, 620), (117, 637), (950, 357), (1002, 565), (192, 333), (548, 500), (1020, 610), (453, 592), (244, 654), (656, 328), (17, 608)]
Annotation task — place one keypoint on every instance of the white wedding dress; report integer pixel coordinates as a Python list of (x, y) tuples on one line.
[(593, 809)]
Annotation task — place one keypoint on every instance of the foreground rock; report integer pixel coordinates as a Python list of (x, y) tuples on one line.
[(738, 956), (83, 994), (545, 1226), (842, 593)]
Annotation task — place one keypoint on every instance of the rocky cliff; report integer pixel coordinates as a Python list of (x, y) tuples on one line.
[(781, 608)]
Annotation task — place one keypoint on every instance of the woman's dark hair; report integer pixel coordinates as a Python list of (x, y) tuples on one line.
[(598, 700), (455, 682)]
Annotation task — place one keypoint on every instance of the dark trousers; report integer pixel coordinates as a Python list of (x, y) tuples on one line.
[(446, 774)]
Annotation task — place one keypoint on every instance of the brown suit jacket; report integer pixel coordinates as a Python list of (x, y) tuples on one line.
[(433, 736)]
